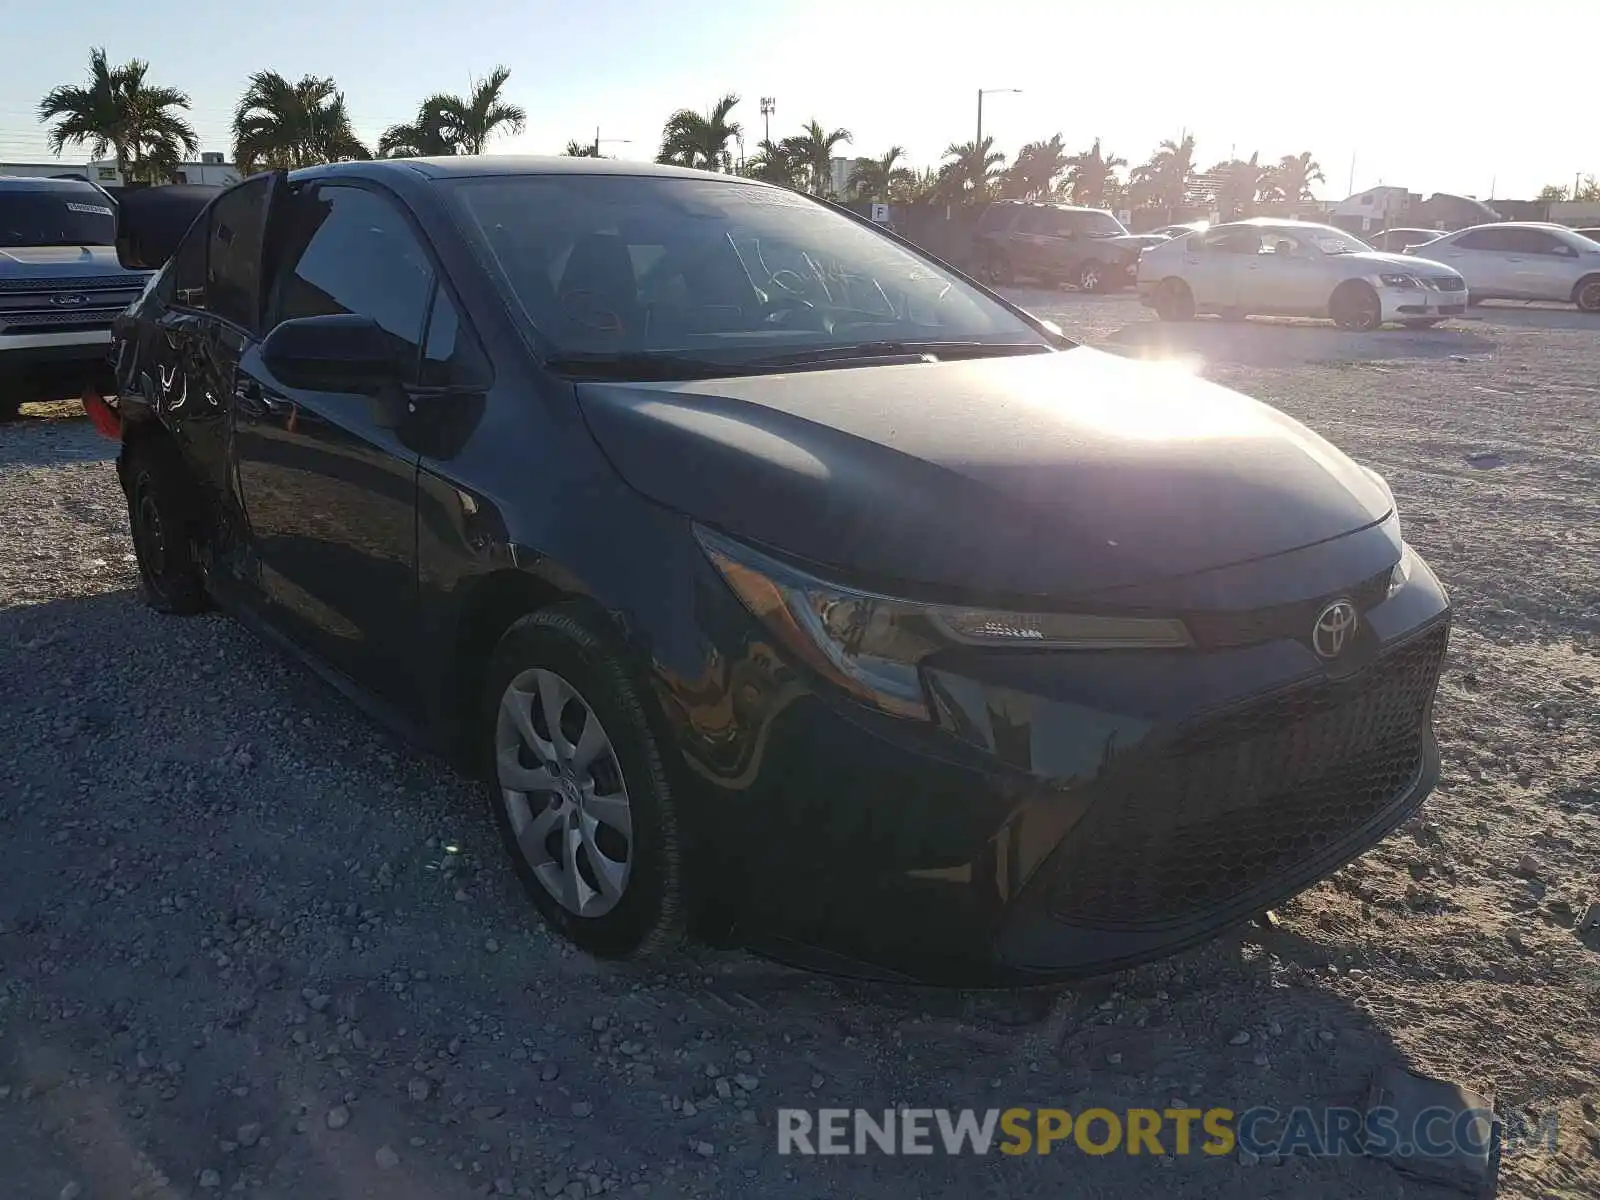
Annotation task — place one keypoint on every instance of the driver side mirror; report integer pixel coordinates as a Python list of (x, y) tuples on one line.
[(151, 221), (340, 352)]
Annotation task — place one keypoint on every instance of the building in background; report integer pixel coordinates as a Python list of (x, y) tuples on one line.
[(840, 170), (212, 168)]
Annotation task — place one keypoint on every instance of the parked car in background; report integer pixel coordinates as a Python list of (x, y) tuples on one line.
[(1523, 260), (60, 287), (1397, 241), (775, 580), (1295, 268), (1055, 244), (1173, 231)]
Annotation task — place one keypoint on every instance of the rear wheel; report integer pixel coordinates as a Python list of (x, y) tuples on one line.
[(1094, 277), (1587, 294), (1354, 305), (164, 518), (996, 272), (578, 787), (1174, 300)]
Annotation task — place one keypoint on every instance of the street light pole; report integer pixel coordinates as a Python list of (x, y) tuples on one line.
[(598, 140), (990, 92)]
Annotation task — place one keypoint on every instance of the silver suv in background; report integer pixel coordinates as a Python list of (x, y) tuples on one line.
[(60, 287), (1522, 260)]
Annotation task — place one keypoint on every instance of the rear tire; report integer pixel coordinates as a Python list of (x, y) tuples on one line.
[(164, 518), (1094, 277), (996, 272), (1355, 306), (1174, 300), (1587, 294), (618, 892)]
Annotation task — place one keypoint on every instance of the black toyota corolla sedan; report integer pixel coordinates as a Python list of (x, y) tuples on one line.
[(781, 583)]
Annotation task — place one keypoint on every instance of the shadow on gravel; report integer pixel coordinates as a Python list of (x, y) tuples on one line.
[(1274, 343), (244, 945), (50, 439)]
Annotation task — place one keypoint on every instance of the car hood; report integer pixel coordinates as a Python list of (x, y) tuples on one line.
[(1055, 474), (62, 262), (1409, 264)]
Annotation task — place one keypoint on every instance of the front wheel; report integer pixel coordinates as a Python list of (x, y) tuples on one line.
[(1174, 301), (1094, 277), (578, 788), (164, 518), (1355, 306)]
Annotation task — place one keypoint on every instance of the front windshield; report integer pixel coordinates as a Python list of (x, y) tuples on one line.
[(56, 217), (616, 264), (1334, 241)]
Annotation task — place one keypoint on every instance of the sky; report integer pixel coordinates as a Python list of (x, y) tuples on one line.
[(1427, 95)]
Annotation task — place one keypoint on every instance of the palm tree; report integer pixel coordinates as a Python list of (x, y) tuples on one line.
[(281, 124), (469, 123), (812, 149), (775, 162), (691, 139), (1240, 184), (1291, 179), (974, 168), (881, 179), (1090, 177), (447, 124), (424, 137), (1037, 167), (121, 113), (1165, 178)]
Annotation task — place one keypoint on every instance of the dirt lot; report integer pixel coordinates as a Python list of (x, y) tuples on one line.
[(249, 945)]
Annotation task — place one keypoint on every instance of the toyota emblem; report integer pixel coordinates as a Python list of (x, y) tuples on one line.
[(1334, 629)]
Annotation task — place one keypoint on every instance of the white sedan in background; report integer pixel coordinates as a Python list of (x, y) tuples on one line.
[(1523, 260), (1296, 268)]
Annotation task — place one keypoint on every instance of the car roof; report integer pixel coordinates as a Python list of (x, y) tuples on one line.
[(1049, 204), (470, 166)]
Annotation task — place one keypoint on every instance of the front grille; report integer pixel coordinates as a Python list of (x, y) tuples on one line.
[(1453, 284), (92, 317), (1246, 796), (78, 283)]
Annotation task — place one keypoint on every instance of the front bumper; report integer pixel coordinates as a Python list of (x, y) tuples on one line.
[(1409, 304), (1066, 814), (59, 366)]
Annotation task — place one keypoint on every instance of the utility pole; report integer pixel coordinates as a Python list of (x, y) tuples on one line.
[(1351, 190), (608, 141), (769, 105)]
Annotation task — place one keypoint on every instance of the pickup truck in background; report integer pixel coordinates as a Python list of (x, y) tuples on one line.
[(60, 287)]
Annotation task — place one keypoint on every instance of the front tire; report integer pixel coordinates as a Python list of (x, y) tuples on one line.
[(164, 518), (578, 788), (1355, 306), (1174, 300)]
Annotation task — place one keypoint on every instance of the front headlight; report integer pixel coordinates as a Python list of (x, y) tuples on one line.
[(1400, 281), (871, 645), (1401, 575)]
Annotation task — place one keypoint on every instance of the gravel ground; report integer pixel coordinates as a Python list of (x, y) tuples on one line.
[(249, 944)]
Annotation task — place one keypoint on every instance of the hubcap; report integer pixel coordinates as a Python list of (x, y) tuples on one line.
[(564, 793), (1091, 279), (1590, 298), (149, 534)]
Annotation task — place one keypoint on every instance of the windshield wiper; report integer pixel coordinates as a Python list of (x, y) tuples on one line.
[(868, 350), (638, 365)]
